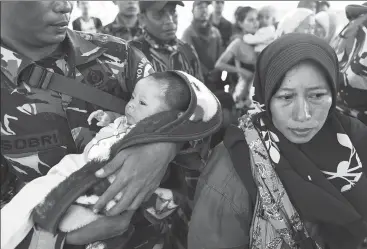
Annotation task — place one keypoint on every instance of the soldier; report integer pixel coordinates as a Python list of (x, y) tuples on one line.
[(126, 24), (165, 51), (159, 42), (52, 79)]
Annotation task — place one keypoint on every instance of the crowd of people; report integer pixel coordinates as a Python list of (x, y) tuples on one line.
[(250, 134)]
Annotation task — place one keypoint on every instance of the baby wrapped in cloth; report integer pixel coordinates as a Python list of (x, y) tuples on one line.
[(160, 105)]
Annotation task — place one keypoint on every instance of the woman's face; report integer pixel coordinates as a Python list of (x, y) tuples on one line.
[(301, 105), (250, 24), (307, 26)]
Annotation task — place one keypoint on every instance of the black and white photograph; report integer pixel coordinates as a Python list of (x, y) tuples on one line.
[(183, 124)]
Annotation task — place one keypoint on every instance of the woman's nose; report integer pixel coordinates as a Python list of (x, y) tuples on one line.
[(301, 110), (63, 7)]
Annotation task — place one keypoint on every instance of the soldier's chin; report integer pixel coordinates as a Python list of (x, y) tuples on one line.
[(53, 38)]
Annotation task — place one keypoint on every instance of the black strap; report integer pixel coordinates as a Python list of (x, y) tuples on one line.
[(39, 77), (239, 151)]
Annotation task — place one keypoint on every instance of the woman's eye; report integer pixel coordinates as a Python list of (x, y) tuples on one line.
[(317, 95), (142, 103), (285, 97)]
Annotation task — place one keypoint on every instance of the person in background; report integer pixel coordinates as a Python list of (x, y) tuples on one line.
[(86, 23), (308, 4), (206, 40), (351, 48), (243, 55), (300, 20), (159, 42), (223, 25), (323, 6), (126, 24), (266, 34), (326, 24), (165, 51)]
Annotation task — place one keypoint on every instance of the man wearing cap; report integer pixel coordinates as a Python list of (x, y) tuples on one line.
[(52, 79), (165, 51), (207, 42), (126, 24), (159, 42)]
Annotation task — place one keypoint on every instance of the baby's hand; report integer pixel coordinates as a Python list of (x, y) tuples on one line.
[(103, 117)]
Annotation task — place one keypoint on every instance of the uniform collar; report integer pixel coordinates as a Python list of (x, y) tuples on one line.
[(76, 46)]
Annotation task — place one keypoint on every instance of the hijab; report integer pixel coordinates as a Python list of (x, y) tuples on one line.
[(328, 21), (293, 20), (324, 178)]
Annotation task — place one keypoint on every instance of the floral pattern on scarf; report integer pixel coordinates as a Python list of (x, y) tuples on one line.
[(275, 219)]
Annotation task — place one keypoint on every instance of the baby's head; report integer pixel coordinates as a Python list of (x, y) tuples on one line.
[(266, 16), (158, 92)]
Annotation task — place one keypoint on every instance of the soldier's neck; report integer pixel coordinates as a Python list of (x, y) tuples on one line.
[(127, 21), (32, 52)]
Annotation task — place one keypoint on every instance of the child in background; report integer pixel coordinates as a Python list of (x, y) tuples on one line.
[(266, 34)]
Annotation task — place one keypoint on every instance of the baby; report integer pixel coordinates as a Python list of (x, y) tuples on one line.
[(266, 34), (156, 93)]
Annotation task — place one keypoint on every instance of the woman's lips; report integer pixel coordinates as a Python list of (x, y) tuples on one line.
[(301, 132)]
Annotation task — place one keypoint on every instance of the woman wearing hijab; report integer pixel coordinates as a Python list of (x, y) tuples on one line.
[(326, 24), (241, 53), (300, 20), (292, 175)]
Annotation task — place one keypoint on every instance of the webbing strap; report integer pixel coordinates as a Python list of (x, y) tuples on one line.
[(41, 78)]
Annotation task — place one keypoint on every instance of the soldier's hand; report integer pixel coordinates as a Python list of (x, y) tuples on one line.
[(139, 171)]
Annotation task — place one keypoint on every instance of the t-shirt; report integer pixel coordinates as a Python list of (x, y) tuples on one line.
[(243, 52)]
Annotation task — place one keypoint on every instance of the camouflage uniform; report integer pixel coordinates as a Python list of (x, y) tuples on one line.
[(119, 30), (173, 55), (39, 127), (177, 55)]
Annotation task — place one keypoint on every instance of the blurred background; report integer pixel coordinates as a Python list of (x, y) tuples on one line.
[(107, 10)]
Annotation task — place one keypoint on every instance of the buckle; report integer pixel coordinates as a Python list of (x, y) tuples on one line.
[(39, 77)]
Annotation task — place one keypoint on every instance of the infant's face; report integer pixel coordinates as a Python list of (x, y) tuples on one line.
[(146, 100), (266, 19)]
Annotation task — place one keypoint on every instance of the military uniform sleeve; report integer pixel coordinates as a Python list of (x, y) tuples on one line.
[(138, 67), (221, 217)]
